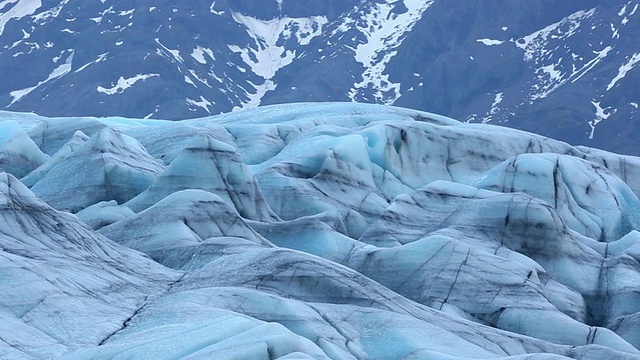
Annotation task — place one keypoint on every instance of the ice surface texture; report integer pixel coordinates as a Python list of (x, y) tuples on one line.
[(313, 231)]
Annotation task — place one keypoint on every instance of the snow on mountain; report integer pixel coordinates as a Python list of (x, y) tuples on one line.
[(546, 67), (269, 54), (314, 231), (384, 30)]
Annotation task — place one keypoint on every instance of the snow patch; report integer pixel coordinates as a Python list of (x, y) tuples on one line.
[(123, 84), (534, 45), (53, 13), (624, 68), (623, 10), (550, 78), (199, 52), (18, 11), (202, 103), (195, 76), (255, 98), (497, 100), (100, 58), (213, 10), (267, 56), (490, 42), (577, 74), (189, 81), (384, 32), (172, 54), (494, 108), (59, 71), (601, 114)]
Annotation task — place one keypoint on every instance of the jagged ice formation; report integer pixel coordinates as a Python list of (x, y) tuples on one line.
[(313, 231)]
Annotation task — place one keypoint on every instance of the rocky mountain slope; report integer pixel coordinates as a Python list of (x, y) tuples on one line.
[(566, 69)]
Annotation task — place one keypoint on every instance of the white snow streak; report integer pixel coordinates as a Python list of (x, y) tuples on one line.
[(174, 55), (549, 79), (202, 103), (266, 57), (59, 71), (577, 74), (214, 11), (384, 32), (18, 11), (49, 14), (199, 52), (256, 98), (496, 101), (624, 68), (100, 58), (537, 49), (494, 108), (534, 44), (490, 42), (123, 84), (601, 114)]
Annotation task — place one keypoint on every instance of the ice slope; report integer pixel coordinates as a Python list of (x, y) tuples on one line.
[(60, 279), (20, 155), (120, 166), (315, 231)]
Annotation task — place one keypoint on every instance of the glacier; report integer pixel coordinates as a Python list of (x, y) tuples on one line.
[(313, 231)]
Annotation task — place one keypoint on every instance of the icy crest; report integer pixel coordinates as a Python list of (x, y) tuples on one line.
[(227, 177), (19, 155), (118, 167), (324, 231)]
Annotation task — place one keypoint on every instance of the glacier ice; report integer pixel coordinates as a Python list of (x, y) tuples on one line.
[(228, 177), (60, 279), (19, 155), (119, 168), (79, 138), (313, 231), (591, 199), (180, 223)]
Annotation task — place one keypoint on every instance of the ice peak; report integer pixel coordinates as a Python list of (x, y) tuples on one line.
[(14, 195), (112, 140), (205, 141)]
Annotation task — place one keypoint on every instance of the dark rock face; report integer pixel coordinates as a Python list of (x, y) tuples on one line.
[(565, 69)]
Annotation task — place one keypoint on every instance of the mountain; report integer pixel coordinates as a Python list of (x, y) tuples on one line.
[(565, 69), (313, 231)]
